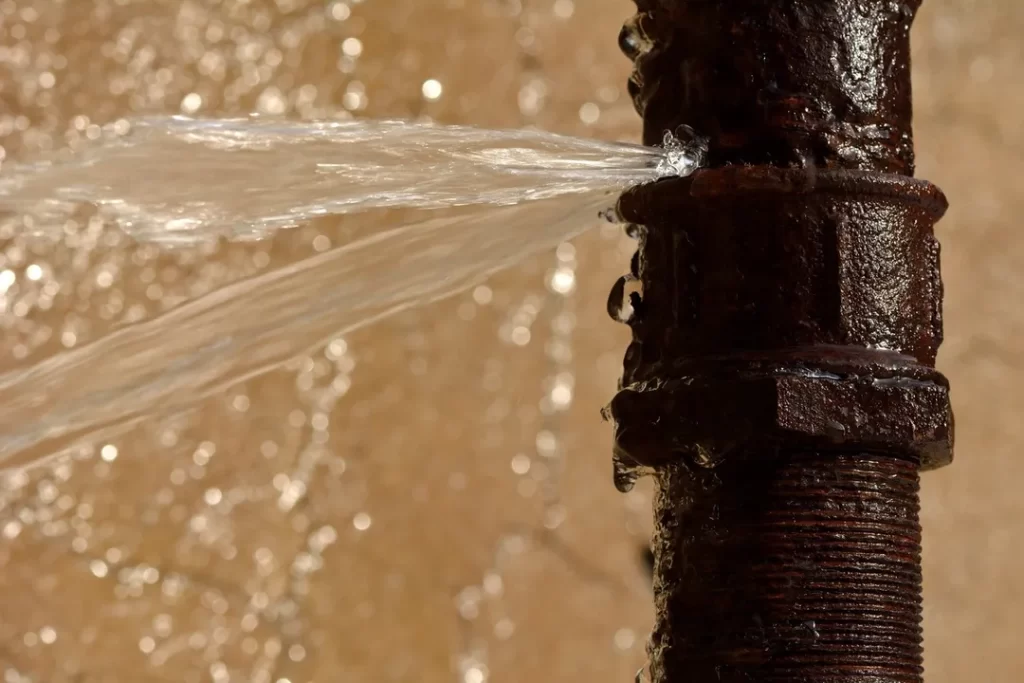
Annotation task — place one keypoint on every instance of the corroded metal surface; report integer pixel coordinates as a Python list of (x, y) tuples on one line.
[(796, 566), (781, 81), (781, 378)]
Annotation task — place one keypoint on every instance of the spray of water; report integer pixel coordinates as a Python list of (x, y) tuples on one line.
[(179, 181)]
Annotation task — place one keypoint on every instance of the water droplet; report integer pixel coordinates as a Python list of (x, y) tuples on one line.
[(468, 602), (632, 40), (812, 628), (432, 89), (624, 638), (562, 281), (521, 335), (213, 496), (352, 47), (520, 464), (272, 101), (504, 629), (561, 396), (685, 152), (590, 113), (362, 521), (532, 97), (483, 295), (12, 529), (566, 252), (554, 516), (339, 10), (704, 457), (624, 298), (564, 8), (493, 584), (547, 443), (191, 103), (625, 472)]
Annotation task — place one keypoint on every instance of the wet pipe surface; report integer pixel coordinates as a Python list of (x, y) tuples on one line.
[(781, 379), (967, 64)]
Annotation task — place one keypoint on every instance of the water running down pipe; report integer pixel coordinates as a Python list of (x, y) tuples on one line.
[(781, 381)]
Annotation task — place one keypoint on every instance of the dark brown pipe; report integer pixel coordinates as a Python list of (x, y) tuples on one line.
[(781, 382)]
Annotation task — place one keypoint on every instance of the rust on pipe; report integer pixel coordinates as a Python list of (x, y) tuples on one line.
[(780, 384)]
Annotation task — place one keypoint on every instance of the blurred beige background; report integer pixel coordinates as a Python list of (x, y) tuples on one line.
[(408, 528)]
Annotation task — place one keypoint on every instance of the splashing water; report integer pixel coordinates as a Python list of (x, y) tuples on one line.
[(247, 178)]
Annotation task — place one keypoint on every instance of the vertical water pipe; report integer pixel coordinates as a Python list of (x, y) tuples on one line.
[(780, 383)]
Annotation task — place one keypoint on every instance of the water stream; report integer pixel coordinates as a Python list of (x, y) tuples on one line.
[(179, 181)]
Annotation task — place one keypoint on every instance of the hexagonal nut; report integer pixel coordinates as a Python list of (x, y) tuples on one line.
[(658, 424)]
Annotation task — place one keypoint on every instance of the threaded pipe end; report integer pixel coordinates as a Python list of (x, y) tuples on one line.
[(797, 567)]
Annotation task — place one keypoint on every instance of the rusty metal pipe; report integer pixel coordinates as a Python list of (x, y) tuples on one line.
[(780, 383)]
